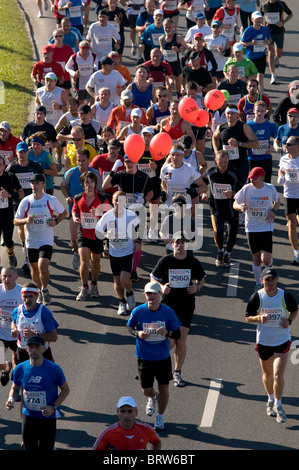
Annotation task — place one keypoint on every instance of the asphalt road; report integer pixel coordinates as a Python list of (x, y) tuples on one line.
[(223, 405)]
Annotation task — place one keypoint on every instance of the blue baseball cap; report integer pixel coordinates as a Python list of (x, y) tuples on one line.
[(22, 146)]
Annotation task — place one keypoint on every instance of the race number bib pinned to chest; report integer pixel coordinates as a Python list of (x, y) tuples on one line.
[(88, 221), (34, 400), (179, 278), (292, 175), (275, 316)]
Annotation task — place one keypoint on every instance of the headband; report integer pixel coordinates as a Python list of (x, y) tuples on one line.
[(232, 110), (176, 151), (37, 139), (29, 290)]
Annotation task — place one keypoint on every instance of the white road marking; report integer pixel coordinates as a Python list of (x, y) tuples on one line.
[(233, 280), (211, 403)]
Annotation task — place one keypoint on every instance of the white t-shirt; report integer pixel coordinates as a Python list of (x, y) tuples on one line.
[(259, 202), (101, 38), (9, 300), (39, 233), (119, 231), (112, 81), (178, 180), (290, 167), (205, 30)]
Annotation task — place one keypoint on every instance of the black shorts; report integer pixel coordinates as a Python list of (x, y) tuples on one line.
[(156, 182), (260, 241), (265, 352), (34, 254), (199, 132), (291, 206), (176, 68), (132, 21), (210, 14), (9, 344), (95, 246), (67, 85), (149, 370), (183, 312), (122, 263), (82, 95), (260, 64), (171, 15)]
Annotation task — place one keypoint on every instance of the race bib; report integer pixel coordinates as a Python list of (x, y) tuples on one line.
[(170, 56), (146, 169), (292, 175), (5, 319), (34, 400), (3, 202), (262, 148), (75, 11), (257, 214), (179, 278), (275, 316), (272, 18), (40, 222), (88, 221), (218, 190), (233, 152), (259, 46), (152, 328), (24, 179)]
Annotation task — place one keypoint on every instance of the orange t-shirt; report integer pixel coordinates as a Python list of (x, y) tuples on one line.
[(115, 437)]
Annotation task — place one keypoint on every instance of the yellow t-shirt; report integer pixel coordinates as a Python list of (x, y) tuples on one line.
[(71, 150)]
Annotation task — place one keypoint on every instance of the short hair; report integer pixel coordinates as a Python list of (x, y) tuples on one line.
[(77, 128), (73, 101), (260, 103), (107, 129), (252, 80), (221, 153), (191, 86), (9, 268), (88, 174), (83, 151)]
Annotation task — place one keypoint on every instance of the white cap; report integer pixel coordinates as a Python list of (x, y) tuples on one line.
[(136, 112), (126, 95), (256, 14), (5, 125), (238, 47), (153, 287), (158, 12), (126, 401), (147, 129)]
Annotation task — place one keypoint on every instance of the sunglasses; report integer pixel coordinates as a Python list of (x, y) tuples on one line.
[(77, 139), (290, 145)]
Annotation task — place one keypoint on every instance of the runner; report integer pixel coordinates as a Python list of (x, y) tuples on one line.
[(36, 213)]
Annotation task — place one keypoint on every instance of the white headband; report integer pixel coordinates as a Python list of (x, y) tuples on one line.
[(232, 110), (29, 290), (172, 151)]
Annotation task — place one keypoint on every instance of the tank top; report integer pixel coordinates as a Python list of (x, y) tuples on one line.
[(270, 333), (212, 44), (168, 53), (130, 131), (34, 323), (248, 107), (174, 132), (229, 20), (192, 159), (46, 98), (102, 115), (159, 115), (142, 99)]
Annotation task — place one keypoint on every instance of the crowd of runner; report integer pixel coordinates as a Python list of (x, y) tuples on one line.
[(92, 117)]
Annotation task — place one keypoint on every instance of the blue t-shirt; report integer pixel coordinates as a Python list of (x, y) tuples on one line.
[(258, 50), (264, 132), (244, 5), (214, 3), (284, 132), (40, 386), (147, 35), (75, 15), (45, 160), (156, 347), (71, 38), (141, 21)]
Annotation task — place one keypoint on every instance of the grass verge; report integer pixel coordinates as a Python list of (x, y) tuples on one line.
[(16, 87)]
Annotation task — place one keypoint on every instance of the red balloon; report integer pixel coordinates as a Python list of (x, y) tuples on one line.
[(202, 118), (134, 147), (188, 109), (214, 99), (160, 146)]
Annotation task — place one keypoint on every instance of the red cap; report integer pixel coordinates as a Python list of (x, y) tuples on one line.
[(47, 49), (256, 173), (293, 110), (198, 35)]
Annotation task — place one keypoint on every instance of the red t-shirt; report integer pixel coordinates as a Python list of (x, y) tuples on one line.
[(62, 55), (8, 148), (115, 437), (102, 164), (82, 210), (41, 68)]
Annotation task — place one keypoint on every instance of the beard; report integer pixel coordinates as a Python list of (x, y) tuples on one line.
[(294, 96)]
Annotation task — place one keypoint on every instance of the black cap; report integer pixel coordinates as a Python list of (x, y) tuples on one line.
[(38, 177), (36, 339), (106, 60), (114, 143), (194, 55), (84, 108), (269, 272)]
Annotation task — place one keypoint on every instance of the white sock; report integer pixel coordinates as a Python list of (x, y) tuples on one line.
[(257, 270), (277, 402), (271, 397)]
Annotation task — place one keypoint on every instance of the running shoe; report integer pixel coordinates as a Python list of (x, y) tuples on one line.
[(122, 310), (178, 381), (76, 261), (40, 14), (270, 408), (4, 379), (159, 423), (273, 79), (226, 260), (40, 297), (151, 405), (280, 414), (295, 261), (276, 61), (134, 276), (219, 259), (83, 294), (46, 297), (12, 259), (93, 291), (131, 304), (134, 49), (26, 267)]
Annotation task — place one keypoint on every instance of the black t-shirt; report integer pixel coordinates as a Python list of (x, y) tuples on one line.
[(10, 182), (178, 272), (139, 182), (201, 76), (227, 132), (277, 7), (24, 173), (238, 88), (254, 304), (232, 177), (31, 128)]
